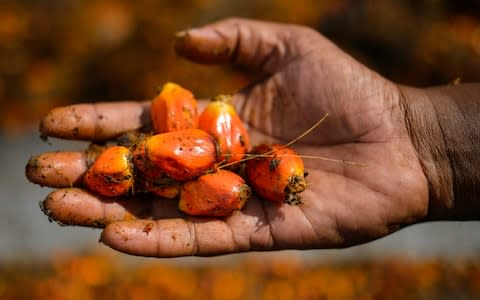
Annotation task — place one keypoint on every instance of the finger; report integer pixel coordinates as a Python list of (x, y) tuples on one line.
[(57, 169), (61, 168), (244, 230), (170, 237), (74, 206), (258, 45), (95, 121)]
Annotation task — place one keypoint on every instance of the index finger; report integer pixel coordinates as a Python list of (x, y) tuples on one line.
[(96, 121)]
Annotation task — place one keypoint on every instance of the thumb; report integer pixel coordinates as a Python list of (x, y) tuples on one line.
[(257, 45)]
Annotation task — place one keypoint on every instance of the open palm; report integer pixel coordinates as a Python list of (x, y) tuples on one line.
[(369, 184)]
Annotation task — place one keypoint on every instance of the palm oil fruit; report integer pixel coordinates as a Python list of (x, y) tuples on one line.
[(276, 174), (182, 155), (111, 173), (216, 194), (144, 168), (149, 178), (221, 121), (174, 108)]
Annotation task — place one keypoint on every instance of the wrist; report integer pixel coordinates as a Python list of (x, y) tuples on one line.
[(443, 124), (427, 138)]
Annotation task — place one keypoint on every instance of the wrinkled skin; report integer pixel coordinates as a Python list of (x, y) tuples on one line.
[(305, 77)]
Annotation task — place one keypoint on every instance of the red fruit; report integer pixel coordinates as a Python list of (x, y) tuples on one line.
[(221, 121), (182, 155), (277, 176), (111, 174), (174, 109), (216, 194)]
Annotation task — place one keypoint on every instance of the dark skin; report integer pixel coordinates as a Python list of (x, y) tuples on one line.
[(305, 77)]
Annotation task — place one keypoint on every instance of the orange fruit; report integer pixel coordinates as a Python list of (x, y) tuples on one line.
[(182, 155), (277, 174), (221, 121), (215, 194), (174, 108), (111, 174), (144, 168)]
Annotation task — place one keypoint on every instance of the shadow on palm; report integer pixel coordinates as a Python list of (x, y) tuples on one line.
[(366, 180)]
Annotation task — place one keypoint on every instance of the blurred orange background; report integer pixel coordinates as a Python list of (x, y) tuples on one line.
[(61, 52), (58, 52), (255, 276)]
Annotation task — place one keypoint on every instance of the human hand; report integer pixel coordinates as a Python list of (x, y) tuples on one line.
[(305, 77)]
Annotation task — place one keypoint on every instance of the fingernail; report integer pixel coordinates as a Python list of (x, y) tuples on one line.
[(196, 33), (181, 34)]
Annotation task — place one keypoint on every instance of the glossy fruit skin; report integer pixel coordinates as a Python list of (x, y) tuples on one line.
[(111, 174), (221, 121), (174, 108), (277, 177), (216, 194), (182, 155), (149, 178), (144, 168)]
